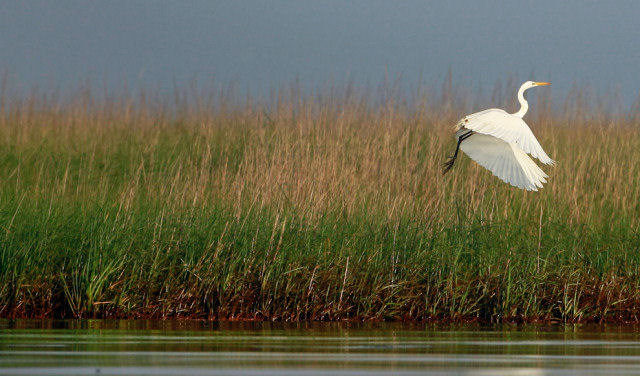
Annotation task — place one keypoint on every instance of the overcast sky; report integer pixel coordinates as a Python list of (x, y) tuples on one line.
[(259, 44)]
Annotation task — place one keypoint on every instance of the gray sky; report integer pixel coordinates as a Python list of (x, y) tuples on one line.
[(259, 44)]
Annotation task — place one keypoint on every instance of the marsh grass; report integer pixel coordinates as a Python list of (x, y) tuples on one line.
[(311, 207)]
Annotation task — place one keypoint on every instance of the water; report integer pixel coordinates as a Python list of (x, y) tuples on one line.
[(195, 348)]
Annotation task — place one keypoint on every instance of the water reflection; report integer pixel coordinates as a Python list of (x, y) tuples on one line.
[(207, 348)]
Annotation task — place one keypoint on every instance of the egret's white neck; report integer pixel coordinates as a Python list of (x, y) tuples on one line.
[(524, 105)]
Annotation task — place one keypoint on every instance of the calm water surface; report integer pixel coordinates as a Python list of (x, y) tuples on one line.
[(194, 348)]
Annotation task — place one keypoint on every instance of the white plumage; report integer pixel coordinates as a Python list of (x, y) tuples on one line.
[(500, 142)]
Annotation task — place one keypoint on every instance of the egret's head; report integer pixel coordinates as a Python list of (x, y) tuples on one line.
[(530, 84)]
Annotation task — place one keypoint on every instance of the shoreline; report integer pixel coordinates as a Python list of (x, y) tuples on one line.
[(429, 321)]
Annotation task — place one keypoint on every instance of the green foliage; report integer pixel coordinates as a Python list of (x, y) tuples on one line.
[(318, 212)]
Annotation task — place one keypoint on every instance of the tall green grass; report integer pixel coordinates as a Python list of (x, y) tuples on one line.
[(305, 207)]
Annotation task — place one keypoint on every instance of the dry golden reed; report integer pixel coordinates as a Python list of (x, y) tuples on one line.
[(318, 206)]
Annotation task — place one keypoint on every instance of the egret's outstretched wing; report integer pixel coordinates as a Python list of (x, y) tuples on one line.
[(505, 160), (507, 127)]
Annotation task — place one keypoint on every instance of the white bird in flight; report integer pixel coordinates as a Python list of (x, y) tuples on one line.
[(500, 142)]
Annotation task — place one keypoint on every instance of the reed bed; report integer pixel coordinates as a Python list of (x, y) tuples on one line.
[(316, 206)]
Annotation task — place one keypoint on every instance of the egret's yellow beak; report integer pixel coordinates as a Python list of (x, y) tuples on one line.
[(542, 83)]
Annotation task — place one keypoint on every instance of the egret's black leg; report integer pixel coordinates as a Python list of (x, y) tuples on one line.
[(451, 160)]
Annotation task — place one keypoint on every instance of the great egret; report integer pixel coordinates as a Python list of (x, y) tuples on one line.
[(500, 142)]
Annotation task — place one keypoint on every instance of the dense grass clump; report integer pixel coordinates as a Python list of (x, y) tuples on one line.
[(319, 207)]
